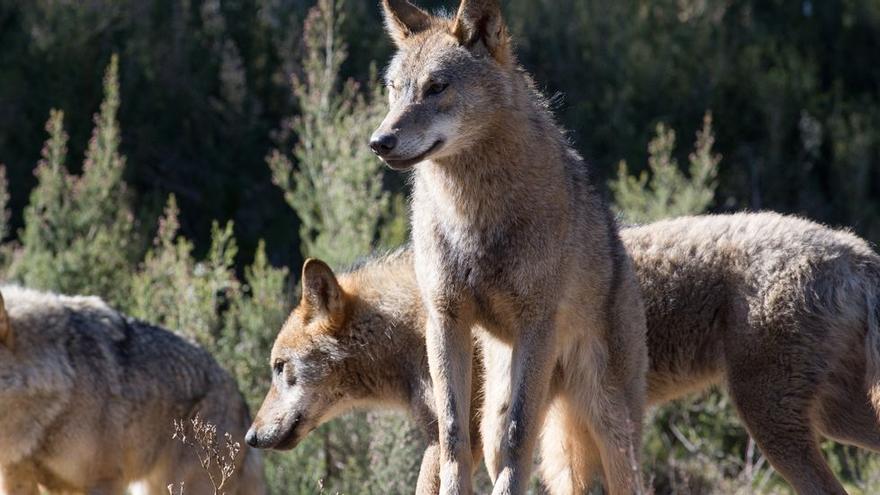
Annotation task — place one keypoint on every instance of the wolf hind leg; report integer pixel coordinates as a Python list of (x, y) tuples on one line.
[(497, 357), (570, 460), (610, 414), (14, 480), (844, 412), (777, 414), (617, 437), (857, 427)]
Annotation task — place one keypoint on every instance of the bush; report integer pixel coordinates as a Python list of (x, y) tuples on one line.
[(666, 191), (173, 290), (79, 235), (336, 186)]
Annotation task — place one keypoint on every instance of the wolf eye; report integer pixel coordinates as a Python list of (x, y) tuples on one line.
[(436, 88), (278, 367)]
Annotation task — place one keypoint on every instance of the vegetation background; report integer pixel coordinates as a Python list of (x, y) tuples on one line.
[(181, 157)]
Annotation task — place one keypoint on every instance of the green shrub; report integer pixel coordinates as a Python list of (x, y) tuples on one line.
[(174, 290), (666, 191), (336, 186), (79, 235)]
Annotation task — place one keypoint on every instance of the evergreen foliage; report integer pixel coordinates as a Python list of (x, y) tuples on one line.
[(336, 186), (666, 191), (72, 241)]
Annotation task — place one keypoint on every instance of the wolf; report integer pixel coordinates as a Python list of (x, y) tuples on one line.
[(512, 242), (781, 311), (353, 342), (89, 397)]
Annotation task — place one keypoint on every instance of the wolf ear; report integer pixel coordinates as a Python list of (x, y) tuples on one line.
[(480, 21), (320, 290), (6, 339), (403, 19)]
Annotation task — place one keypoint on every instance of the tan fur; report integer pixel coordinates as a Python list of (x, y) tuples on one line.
[(781, 310), (512, 243), (349, 344), (89, 397)]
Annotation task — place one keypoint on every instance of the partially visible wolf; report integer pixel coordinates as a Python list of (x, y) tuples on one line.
[(355, 342), (781, 310), (513, 241), (88, 398)]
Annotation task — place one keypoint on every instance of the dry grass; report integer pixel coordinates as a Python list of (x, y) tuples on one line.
[(217, 457)]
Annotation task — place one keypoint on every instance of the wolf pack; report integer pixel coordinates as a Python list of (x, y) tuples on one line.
[(520, 322)]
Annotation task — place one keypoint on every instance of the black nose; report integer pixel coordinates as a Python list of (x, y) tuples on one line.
[(251, 437), (383, 144)]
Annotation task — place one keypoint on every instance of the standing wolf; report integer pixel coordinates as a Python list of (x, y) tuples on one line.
[(512, 239), (782, 311), (89, 397)]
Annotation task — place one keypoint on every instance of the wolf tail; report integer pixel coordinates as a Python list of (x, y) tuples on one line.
[(872, 344)]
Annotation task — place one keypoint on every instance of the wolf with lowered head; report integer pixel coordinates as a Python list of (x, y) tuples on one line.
[(511, 241), (89, 397)]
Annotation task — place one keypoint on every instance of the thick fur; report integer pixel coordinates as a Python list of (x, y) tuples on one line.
[(512, 243), (781, 310), (89, 397), (784, 311), (367, 349)]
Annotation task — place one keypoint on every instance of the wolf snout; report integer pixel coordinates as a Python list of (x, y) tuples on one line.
[(383, 144), (251, 438)]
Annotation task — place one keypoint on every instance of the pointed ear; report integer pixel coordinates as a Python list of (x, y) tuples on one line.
[(320, 290), (403, 19), (480, 21), (6, 337)]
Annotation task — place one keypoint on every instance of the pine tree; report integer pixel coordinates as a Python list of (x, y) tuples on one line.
[(174, 290), (79, 235), (664, 191), (336, 185)]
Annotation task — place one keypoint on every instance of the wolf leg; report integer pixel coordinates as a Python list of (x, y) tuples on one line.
[(605, 402), (569, 456), (450, 354), (497, 356), (609, 420), (851, 422), (429, 472), (844, 412), (15, 480), (532, 363), (777, 411)]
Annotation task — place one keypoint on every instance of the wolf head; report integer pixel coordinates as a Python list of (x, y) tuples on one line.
[(307, 386), (446, 83)]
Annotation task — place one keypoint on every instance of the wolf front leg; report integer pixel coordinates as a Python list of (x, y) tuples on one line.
[(531, 367), (450, 352)]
